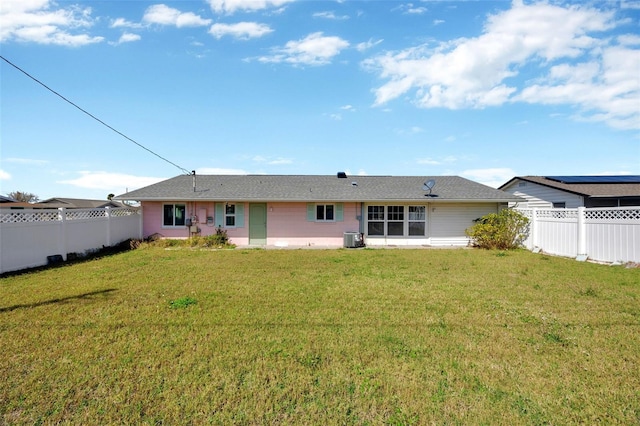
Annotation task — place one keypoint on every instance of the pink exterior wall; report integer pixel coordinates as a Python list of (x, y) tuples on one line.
[(152, 221), (287, 224), (151, 218)]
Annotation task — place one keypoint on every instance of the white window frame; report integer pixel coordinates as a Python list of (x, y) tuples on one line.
[(324, 212), (390, 213), (422, 218), (395, 214), (173, 216), (378, 217)]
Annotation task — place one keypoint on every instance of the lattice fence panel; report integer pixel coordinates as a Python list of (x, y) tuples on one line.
[(85, 214), (557, 214), (123, 212), (614, 215), (528, 213), (26, 216)]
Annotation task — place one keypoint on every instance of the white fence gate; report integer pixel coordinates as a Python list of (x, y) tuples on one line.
[(600, 234), (29, 236)]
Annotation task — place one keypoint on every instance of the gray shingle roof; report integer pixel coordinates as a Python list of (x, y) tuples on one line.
[(79, 203), (316, 188), (4, 199), (621, 189)]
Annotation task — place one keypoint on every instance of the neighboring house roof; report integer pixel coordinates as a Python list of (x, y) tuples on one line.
[(79, 203), (316, 188), (587, 186), (24, 205), (4, 199)]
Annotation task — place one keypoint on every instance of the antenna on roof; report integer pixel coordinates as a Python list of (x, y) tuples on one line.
[(428, 186)]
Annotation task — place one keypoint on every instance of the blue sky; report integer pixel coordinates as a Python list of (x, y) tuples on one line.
[(486, 90)]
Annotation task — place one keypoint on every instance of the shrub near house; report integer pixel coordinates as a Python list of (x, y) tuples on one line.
[(505, 230)]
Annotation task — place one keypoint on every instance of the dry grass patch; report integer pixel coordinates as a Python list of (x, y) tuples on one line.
[(321, 337)]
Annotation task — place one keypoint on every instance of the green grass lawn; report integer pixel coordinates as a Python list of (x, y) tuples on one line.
[(181, 336)]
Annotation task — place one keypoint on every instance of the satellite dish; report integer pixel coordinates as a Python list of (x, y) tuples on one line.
[(428, 186)]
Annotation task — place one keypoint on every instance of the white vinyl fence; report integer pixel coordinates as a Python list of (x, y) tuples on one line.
[(29, 237), (599, 234)]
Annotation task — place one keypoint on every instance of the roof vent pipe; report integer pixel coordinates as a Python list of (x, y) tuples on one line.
[(342, 175), (193, 173)]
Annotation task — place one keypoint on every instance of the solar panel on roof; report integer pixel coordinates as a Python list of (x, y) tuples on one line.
[(596, 179)]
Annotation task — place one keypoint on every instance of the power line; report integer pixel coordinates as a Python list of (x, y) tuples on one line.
[(92, 116)]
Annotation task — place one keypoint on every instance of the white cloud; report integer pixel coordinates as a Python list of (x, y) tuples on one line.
[(630, 4), (16, 6), (490, 177), (111, 182), (272, 161), (366, 45), (410, 9), (629, 39), (280, 161), (123, 23), (428, 161), (438, 21), (128, 38), (348, 108), (330, 15), (39, 21), (241, 30), (416, 10), (480, 72), (26, 161), (606, 91), (164, 15), (231, 6), (315, 49), (433, 162), (4, 175)]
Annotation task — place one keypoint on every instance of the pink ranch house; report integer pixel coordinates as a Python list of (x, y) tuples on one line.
[(318, 211)]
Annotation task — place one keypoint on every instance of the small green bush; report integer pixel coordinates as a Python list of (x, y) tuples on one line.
[(166, 243), (182, 303), (218, 240), (503, 231)]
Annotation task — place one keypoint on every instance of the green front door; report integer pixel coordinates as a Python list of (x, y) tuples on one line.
[(257, 224)]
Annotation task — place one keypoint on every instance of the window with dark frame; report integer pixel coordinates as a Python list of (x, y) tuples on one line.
[(173, 215), (230, 215), (325, 212)]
